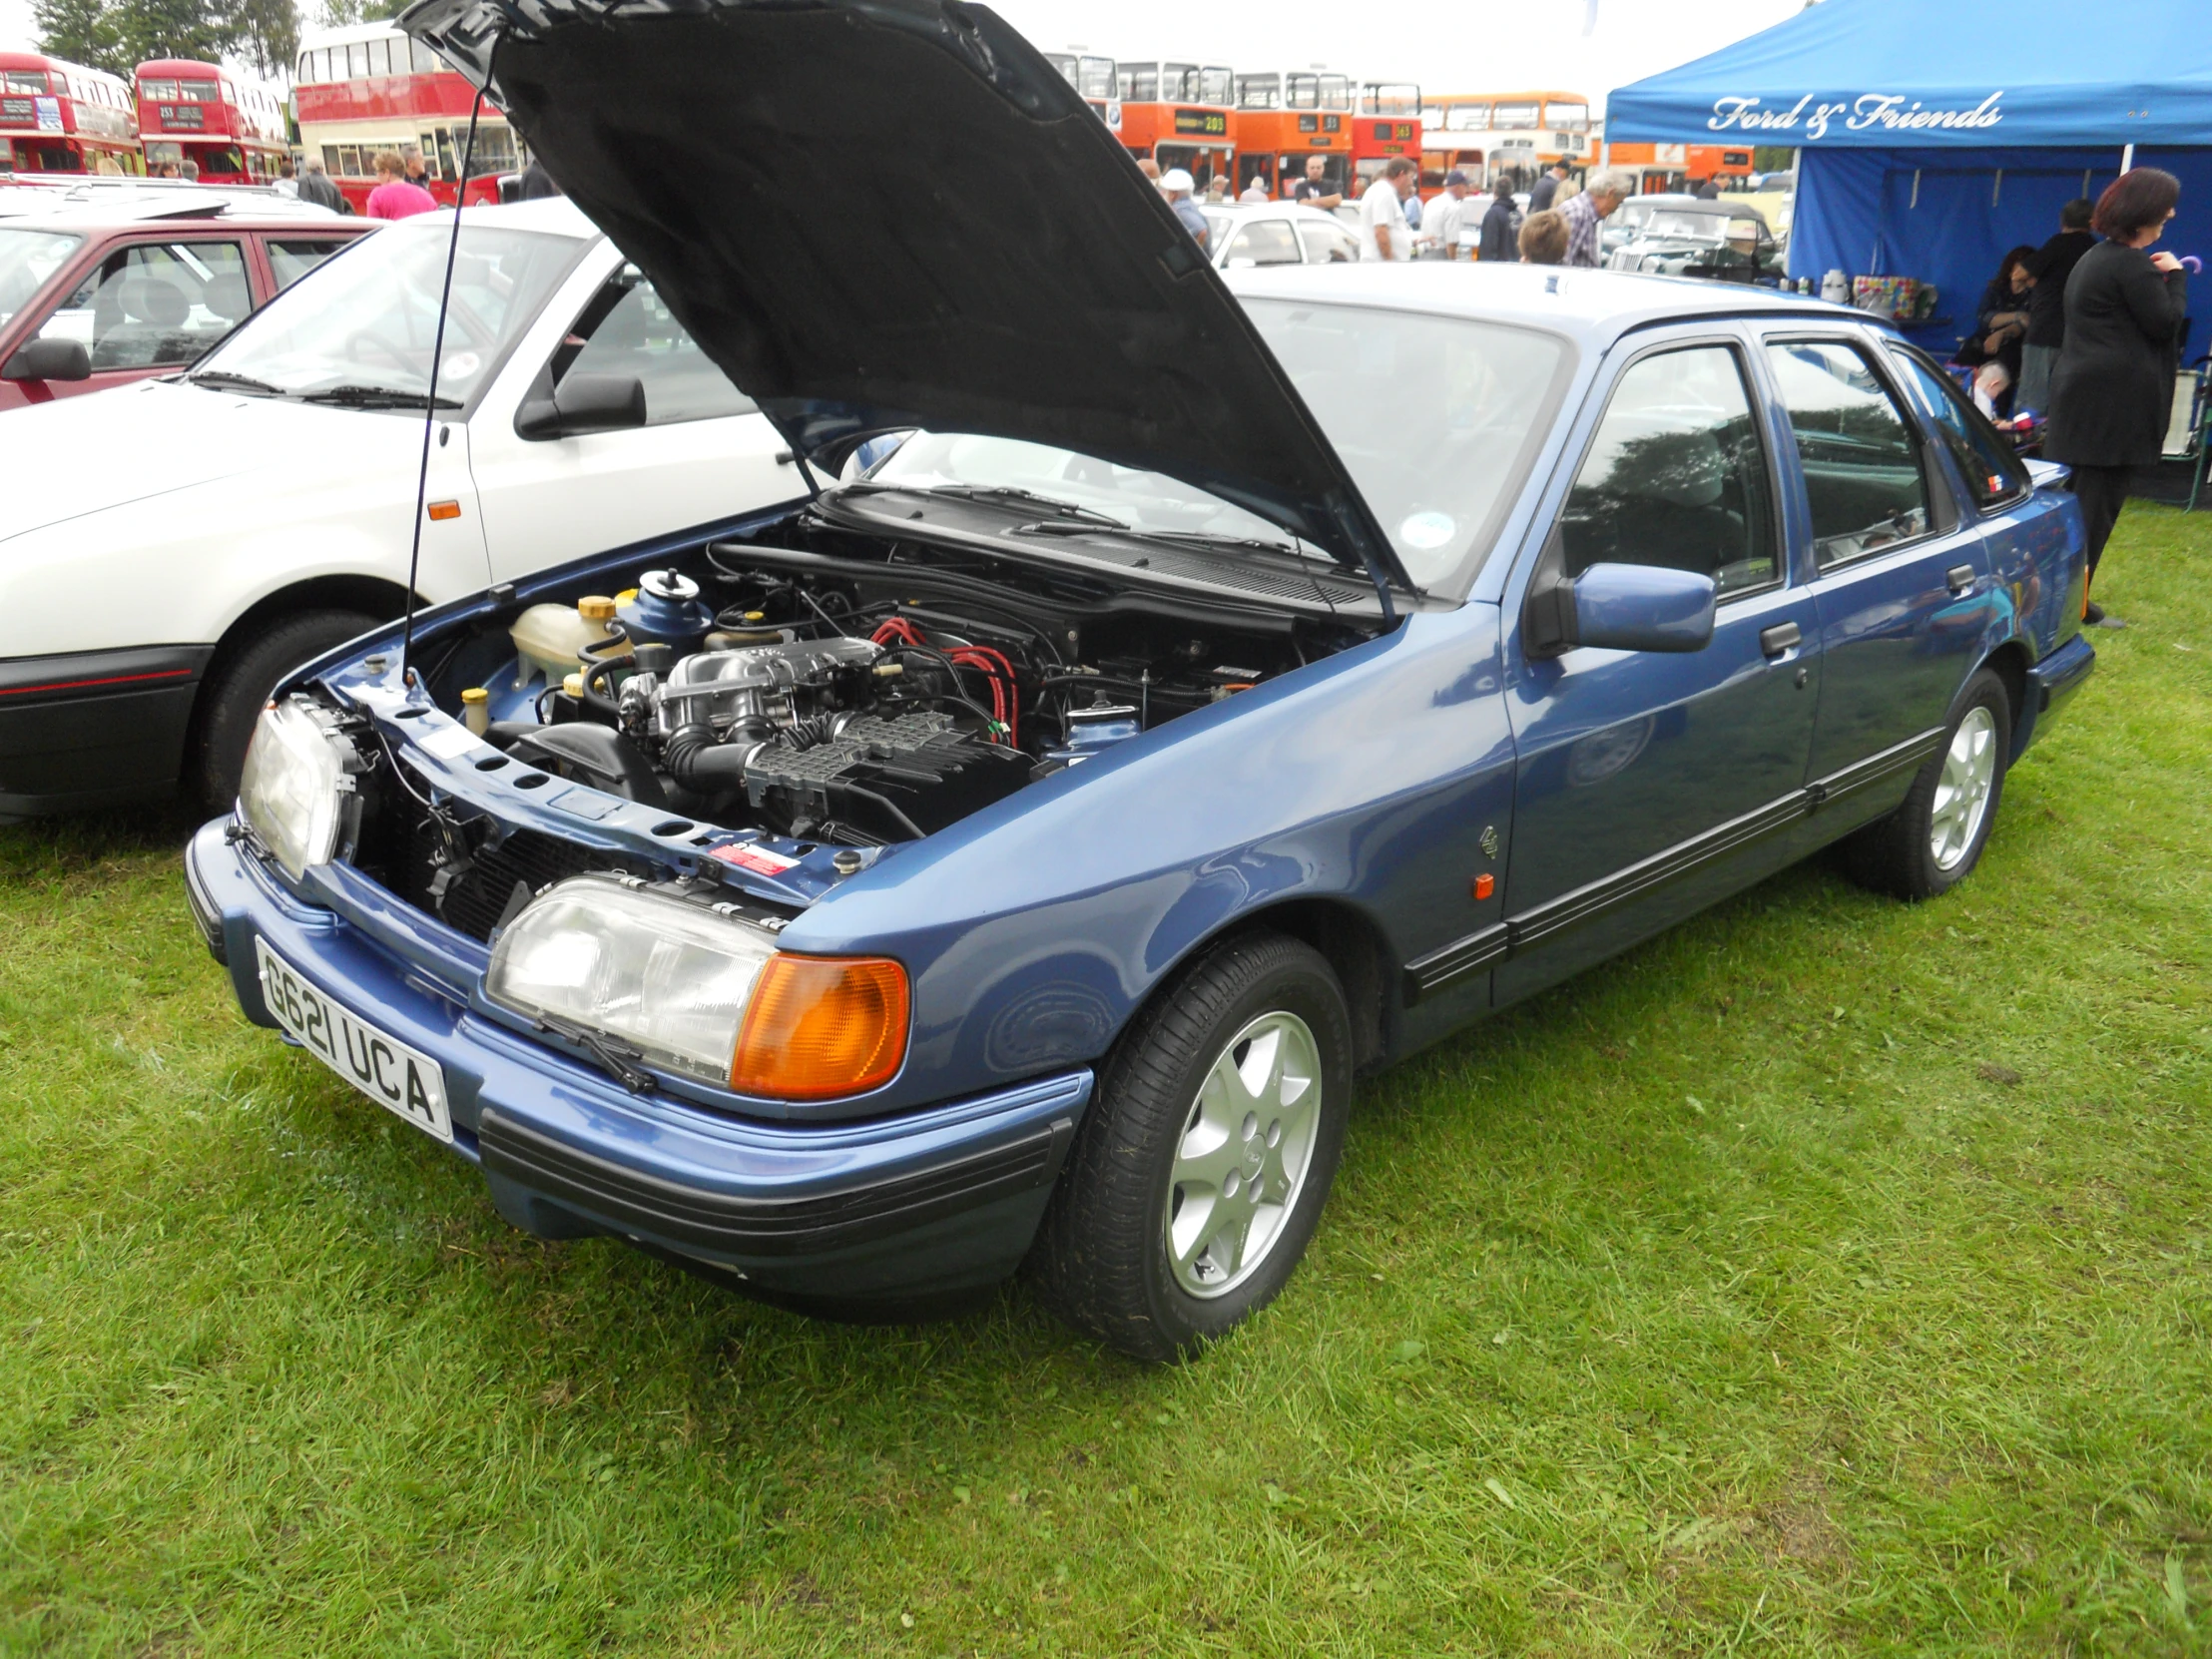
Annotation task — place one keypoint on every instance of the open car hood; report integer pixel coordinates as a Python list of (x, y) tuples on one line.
[(887, 213)]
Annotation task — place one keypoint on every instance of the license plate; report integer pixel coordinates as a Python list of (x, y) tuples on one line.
[(403, 1080)]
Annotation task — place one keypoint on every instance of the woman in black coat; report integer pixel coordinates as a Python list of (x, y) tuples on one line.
[(1501, 224), (2113, 390)]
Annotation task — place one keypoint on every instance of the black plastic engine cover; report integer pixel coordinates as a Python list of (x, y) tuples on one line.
[(884, 781)]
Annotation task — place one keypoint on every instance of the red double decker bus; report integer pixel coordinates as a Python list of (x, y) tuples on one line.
[(368, 88), (1389, 124), (59, 117), (232, 131), (1285, 120)]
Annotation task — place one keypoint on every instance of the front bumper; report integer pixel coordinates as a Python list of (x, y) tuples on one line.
[(927, 1204)]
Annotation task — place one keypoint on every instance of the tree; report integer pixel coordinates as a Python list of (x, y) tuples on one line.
[(338, 13), (83, 31), (173, 29), (266, 34)]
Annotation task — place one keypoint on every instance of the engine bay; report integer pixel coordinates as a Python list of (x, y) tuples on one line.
[(812, 685)]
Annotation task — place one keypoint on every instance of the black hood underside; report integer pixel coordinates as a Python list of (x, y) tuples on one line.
[(884, 213)]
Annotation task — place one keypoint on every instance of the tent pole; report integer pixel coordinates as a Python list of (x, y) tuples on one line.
[(2127, 159)]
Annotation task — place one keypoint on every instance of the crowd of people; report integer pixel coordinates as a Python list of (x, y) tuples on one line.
[(1559, 226)]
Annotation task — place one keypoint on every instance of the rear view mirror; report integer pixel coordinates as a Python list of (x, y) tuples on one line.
[(584, 404), (48, 359), (1622, 608)]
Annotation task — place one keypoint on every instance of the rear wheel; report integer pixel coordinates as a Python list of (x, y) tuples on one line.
[(1931, 842), (232, 699), (1202, 1166)]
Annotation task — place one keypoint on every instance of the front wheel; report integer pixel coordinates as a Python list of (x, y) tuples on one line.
[(230, 703), (1202, 1167), (1931, 842)]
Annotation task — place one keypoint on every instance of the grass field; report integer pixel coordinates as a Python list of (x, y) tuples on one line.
[(1829, 1275)]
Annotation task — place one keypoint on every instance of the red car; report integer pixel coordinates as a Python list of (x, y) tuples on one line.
[(98, 292)]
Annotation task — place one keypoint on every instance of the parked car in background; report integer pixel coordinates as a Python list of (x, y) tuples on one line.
[(101, 290), (1683, 236), (1276, 233), (1237, 681), (167, 550)]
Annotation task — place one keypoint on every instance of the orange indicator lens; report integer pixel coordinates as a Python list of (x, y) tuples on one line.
[(820, 1027)]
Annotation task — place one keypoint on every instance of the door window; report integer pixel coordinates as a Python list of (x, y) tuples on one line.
[(1265, 242), (292, 257), (1329, 244), (1676, 475), (155, 304), (627, 331), (1992, 471), (1861, 465)]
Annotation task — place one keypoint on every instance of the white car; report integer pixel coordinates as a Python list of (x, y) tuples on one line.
[(1240, 236), (169, 549)]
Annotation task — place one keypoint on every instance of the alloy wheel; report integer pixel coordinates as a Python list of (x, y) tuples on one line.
[(1244, 1154), (1963, 791)]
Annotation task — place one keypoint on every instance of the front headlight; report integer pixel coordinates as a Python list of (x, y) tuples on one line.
[(668, 977), (703, 995), (294, 790)]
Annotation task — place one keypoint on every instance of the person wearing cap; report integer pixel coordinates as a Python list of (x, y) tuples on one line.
[(1445, 219), (1177, 185)]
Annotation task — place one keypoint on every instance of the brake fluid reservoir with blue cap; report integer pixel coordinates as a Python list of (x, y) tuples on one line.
[(665, 608)]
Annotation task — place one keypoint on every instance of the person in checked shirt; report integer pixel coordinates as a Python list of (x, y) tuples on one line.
[(1586, 212)]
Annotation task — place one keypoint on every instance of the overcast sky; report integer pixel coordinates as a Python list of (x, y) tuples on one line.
[(1470, 45)]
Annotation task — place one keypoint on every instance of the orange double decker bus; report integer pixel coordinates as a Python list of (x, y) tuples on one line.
[(60, 117), (1516, 135), (367, 87), (230, 129), (1181, 115), (1665, 168), (1388, 124), (1283, 120), (1095, 78)]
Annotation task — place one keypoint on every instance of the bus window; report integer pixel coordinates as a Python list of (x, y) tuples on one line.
[(1095, 77), (1567, 118), (1468, 118), (1259, 92), (1515, 116), (1214, 87), (158, 92), (426, 62), (1140, 83), (1336, 92), (1179, 81), (24, 80), (1304, 92)]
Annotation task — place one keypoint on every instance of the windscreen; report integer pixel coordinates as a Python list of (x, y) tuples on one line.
[(1438, 419), (367, 318), (27, 260)]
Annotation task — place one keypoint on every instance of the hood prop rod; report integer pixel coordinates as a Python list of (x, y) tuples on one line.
[(437, 356)]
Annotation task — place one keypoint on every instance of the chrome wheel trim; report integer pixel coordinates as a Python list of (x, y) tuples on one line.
[(1243, 1154), (1963, 790)]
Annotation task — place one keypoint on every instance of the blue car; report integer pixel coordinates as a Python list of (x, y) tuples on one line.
[(1010, 854)]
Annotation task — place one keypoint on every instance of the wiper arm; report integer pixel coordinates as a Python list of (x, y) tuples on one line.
[(1029, 498), (614, 1057), (240, 382), (377, 397), (1188, 538)]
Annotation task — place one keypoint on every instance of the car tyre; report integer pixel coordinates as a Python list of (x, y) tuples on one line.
[(1933, 841), (236, 692), (1200, 1171)]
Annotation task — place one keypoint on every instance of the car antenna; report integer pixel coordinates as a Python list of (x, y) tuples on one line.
[(437, 356)]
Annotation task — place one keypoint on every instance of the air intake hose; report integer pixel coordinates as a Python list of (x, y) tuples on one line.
[(700, 763)]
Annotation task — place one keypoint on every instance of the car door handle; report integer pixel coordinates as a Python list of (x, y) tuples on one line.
[(1960, 578), (1783, 636)]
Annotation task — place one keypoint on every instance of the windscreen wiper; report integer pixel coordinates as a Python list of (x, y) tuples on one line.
[(1188, 538), (238, 382), (1007, 493), (378, 397)]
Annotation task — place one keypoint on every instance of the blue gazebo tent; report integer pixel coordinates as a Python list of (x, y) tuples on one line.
[(1932, 135)]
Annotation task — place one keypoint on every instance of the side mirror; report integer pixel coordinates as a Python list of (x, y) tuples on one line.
[(584, 404), (48, 359), (1622, 608)]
